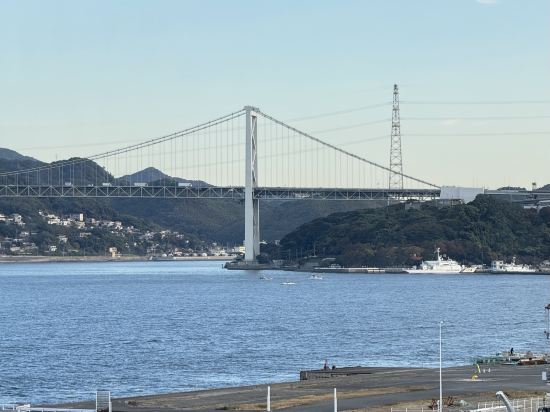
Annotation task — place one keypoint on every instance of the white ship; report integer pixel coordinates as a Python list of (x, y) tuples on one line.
[(441, 265), (499, 266)]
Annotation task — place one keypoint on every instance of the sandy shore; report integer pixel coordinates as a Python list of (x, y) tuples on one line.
[(377, 389)]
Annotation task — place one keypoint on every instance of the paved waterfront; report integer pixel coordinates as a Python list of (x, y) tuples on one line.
[(379, 389)]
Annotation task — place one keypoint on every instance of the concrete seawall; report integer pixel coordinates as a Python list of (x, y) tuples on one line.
[(377, 389)]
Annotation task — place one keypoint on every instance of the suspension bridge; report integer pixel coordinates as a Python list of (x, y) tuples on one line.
[(247, 155)]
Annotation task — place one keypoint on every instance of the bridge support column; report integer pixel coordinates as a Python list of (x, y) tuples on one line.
[(251, 205)]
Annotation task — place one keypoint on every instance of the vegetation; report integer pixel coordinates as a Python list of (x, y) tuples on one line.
[(219, 221), (98, 238), (478, 232)]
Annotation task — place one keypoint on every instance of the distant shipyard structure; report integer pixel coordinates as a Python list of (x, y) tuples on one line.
[(536, 198)]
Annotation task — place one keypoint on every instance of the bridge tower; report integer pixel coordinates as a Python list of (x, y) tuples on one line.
[(251, 205), (396, 159)]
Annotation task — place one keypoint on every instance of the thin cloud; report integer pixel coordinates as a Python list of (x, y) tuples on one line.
[(490, 2)]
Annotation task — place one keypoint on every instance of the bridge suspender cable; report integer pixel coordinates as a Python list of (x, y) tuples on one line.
[(136, 146), (113, 155), (342, 151)]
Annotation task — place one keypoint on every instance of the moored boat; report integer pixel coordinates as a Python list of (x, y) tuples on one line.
[(499, 266), (441, 265)]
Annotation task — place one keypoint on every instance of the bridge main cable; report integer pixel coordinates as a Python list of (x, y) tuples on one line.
[(345, 152), (130, 148)]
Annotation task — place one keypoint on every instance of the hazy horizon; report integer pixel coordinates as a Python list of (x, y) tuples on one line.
[(81, 78)]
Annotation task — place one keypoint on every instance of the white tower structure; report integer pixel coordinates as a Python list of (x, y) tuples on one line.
[(251, 205)]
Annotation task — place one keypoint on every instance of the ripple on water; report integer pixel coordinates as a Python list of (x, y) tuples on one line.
[(148, 327)]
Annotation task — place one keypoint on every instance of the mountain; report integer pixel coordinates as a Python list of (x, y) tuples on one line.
[(220, 220), (86, 172), (11, 160), (8, 154), (478, 232), (151, 175)]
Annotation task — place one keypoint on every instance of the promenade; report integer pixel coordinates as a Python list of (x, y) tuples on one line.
[(375, 389)]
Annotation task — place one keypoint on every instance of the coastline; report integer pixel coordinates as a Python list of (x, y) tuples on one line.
[(231, 265), (378, 388), (97, 259)]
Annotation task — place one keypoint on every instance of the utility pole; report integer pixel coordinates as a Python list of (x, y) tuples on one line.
[(396, 159), (440, 367)]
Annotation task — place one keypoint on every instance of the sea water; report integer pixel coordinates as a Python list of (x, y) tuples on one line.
[(149, 327)]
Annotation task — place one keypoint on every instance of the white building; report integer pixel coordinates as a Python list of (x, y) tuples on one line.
[(466, 194), (79, 217)]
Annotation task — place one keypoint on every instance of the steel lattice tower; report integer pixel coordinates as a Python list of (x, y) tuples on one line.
[(396, 159)]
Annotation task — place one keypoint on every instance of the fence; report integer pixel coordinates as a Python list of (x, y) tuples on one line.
[(520, 405), (523, 405)]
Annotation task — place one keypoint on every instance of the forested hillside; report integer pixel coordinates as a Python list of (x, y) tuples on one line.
[(210, 220), (477, 232)]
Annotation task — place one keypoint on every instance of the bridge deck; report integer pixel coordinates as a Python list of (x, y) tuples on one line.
[(213, 192)]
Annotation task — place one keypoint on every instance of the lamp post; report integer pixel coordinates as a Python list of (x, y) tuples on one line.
[(440, 379)]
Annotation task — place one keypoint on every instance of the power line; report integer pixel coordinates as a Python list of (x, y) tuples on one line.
[(479, 134), (340, 112), (368, 139), (353, 126), (339, 150), (112, 142), (474, 118), (495, 102)]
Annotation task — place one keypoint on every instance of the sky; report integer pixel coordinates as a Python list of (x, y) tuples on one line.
[(81, 77)]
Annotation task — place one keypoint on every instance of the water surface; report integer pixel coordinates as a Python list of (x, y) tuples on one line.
[(149, 327)]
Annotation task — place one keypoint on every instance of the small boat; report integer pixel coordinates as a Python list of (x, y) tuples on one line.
[(288, 283), (439, 266), (499, 266), (265, 278), (316, 277), (469, 269)]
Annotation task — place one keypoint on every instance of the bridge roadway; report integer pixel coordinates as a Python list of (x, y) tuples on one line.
[(215, 192)]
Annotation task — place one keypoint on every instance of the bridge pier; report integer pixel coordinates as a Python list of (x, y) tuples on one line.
[(251, 205)]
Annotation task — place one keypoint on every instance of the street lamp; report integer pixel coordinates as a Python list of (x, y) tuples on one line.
[(440, 380)]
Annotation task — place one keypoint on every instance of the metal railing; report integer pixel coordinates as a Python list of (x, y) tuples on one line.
[(520, 405), (28, 408), (524, 405)]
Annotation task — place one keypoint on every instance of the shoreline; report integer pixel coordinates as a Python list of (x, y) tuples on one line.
[(375, 388), (231, 265), (100, 259)]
